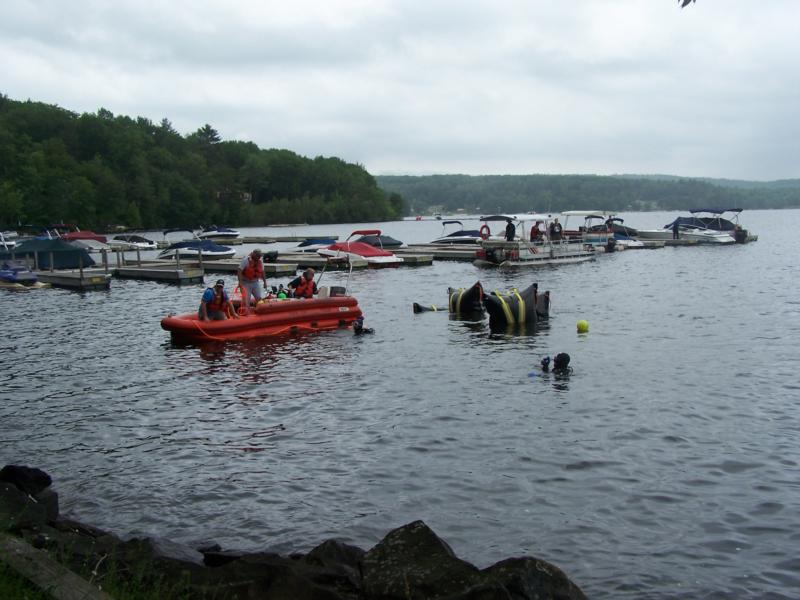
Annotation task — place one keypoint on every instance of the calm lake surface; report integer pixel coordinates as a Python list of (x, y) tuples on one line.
[(665, 466)]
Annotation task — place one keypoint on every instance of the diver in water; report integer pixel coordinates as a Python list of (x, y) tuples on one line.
[(359, 329), (560, 364)]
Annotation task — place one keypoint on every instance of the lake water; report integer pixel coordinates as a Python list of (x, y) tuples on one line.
[(664, 467)]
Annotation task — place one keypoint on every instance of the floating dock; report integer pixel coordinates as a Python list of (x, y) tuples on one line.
[(82, 280), (465, 252)]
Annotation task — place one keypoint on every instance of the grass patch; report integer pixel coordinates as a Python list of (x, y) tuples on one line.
[(15, 587)]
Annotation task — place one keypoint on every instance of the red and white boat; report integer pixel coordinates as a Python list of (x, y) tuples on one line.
[(375, 257), (269, 318)]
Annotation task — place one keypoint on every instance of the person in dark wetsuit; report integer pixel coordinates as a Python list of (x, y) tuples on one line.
[(560, 364), (358, 327), (510, 231)]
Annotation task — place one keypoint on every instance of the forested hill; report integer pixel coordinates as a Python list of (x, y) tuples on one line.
[(554, 193), (98, 170)]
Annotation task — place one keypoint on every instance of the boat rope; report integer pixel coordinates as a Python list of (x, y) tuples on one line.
[(206, 334), (505, 307)]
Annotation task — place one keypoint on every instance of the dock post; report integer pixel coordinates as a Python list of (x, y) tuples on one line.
[(80, 268), (52, 260), (200, 257), (138, 257), (105, 260), (178, 259), (122, 260)]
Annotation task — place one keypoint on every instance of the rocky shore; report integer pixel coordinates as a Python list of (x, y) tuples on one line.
[(410, 563)]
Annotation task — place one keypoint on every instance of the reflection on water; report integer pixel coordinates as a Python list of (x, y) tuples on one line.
[(662, 467)]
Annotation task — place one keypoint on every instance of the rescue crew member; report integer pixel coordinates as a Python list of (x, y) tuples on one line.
[(251, 275), (304, 286), (215, 304)]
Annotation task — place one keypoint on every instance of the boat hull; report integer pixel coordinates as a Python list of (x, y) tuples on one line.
[(699, 237), (374, 261), (270, 318), (191, 254), (521, 254)]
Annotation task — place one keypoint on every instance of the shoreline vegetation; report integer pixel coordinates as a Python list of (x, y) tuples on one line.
[(111, 172), (410, 562)]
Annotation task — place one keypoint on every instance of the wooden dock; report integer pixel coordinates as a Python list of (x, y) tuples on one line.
[(167, 273), (82, 279), (465, 252)]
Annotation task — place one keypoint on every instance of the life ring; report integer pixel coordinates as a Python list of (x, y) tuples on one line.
[(484, 231)]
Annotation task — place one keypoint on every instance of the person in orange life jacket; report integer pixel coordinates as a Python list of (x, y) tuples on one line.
[(215, 304), (251, 275), (304, 286)]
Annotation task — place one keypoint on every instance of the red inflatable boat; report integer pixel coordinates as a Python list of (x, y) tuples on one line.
[(271, 317)]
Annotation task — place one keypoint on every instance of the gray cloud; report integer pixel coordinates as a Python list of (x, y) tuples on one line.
[(597, 86)]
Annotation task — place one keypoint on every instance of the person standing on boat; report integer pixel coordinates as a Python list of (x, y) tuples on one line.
[(676, 230), (251, 275), (215, 304), (555, 231), (510, 230), (304, 286)]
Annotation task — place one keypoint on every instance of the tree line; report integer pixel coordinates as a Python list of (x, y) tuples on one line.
[(555, 193), (99, 170)]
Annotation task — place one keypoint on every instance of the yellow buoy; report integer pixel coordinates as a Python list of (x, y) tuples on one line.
[(583, 326)]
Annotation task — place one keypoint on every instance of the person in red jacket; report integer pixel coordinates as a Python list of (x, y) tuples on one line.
[(251, 275), (304, 286)]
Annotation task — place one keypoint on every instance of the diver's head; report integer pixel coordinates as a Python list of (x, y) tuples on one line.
[(561, 362)]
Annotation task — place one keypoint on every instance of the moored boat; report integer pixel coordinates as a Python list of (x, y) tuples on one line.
[(17, 275), (716, 219), (381, 241), (271, 317), (539, 247), (215, 232), (131, 242), (195, 248), (375, 257), (456, 236), (698, 235), (314, 244)]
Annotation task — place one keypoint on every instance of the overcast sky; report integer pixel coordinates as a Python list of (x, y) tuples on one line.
[(476, 87)]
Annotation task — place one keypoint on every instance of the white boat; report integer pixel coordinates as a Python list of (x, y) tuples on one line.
[(456, 236), (195, 248), (131, 242), (697, 235), (7, 244), (715, 220), (375, 257), (521, 251), (594, 226), (219, 233)]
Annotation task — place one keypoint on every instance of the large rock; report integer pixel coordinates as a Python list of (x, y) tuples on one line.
[(413, 562), (18, 510), (410, 563), (29, 480), (528, 577)]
